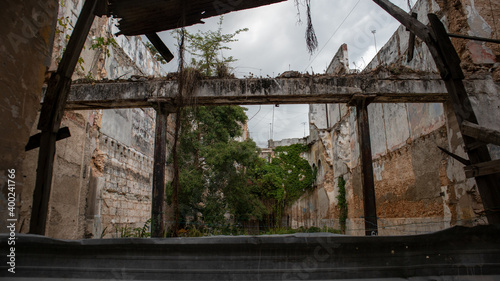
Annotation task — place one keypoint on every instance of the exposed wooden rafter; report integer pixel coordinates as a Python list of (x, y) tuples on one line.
[(480, 133)]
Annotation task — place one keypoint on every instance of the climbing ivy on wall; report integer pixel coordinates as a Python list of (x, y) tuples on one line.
[(342, 204)]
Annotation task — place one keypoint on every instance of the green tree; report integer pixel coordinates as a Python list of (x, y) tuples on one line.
[(207, 46), (216, 171)]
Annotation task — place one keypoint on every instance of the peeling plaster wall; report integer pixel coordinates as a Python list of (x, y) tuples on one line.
[(103, 172), (418, 188), (26, 36)]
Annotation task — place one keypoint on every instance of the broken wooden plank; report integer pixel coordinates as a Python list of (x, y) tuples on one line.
[(153, 16), (367, 178), (475, 38), (456, 157), (480, 133), (160, 46), (34, 141), (482, 169), (321, 89), (411, 41), (51, 115)]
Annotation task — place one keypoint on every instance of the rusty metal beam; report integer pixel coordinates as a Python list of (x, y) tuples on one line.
[(51, 115), (367, 179), (412, 87)]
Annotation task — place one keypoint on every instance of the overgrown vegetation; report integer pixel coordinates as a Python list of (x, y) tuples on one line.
[(102, 43), (206, 47), (284, 179), (222, 183), (215, 170), (127, 231), (98, 43)]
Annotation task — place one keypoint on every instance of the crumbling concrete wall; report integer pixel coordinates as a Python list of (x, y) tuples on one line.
[(102, 173), (26, 36), (418, 188)]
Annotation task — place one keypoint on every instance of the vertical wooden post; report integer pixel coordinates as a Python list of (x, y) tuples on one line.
[(448, 63), (160, 159), (51, 116), (367, 181)]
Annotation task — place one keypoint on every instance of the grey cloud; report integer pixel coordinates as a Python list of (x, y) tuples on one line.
[(275, 43)]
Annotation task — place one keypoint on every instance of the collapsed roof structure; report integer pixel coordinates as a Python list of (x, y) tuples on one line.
[(149, 17), (357, 91)]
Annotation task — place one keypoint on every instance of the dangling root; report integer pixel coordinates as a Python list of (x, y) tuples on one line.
[(311, 39)]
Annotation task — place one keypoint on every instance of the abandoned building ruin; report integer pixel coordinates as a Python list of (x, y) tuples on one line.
[(415, 135), (419, 188)]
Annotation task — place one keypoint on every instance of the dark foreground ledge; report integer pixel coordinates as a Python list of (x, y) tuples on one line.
[(458, 253)]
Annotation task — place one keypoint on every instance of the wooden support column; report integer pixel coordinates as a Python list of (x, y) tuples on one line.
[(367, 181), (448, 63), (51, 115), (160, 159)]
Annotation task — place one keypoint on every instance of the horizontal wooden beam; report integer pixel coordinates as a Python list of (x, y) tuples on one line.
[(307, 90), (480, 133), (34, 141), (482, 169)]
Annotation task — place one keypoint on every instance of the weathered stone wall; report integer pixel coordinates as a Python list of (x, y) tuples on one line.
[(418, 188), (103, 172), (26, 36)]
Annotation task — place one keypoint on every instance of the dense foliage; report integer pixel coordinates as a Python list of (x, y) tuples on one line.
[(221, 177), (285, 178), (222, 181), (215, 169)]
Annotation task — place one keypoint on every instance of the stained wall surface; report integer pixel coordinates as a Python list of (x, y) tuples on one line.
[(418, 188), (26, 36), (103, 172)]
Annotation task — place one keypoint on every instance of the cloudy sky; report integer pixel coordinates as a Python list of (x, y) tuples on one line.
[(276, 43)]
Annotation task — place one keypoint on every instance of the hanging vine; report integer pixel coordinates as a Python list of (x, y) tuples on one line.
[(311, 39)]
